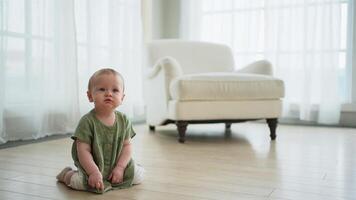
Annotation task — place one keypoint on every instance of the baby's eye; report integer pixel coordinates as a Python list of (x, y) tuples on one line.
[(102, 89), (115, 90)]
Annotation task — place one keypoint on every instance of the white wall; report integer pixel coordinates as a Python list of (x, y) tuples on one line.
[(165, 18)]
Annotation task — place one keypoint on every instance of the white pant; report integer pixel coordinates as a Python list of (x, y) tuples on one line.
[(76, 181), (138, 174)]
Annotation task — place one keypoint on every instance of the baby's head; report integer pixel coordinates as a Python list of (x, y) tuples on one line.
[(105, 71), (106, 87)]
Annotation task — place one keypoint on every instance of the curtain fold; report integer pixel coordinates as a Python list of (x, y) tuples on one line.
[(38, 69), (2, 74), (113, 39), (48, 51), (304, 40)]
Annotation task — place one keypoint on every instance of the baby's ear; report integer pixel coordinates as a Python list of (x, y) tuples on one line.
[(90, 97), (123, 96)]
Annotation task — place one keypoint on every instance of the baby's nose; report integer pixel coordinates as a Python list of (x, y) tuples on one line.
[(108, 92)]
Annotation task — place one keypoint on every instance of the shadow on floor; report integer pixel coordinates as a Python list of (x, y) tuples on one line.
[(16, 143)]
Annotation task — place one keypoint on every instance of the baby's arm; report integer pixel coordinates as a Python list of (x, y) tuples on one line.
[(117, 173), (87, 161)]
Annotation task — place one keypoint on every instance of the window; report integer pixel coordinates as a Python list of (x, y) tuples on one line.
[(110, 39), (249, 27), (22, 33)]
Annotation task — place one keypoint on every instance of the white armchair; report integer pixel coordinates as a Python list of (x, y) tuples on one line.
[(195, 82)]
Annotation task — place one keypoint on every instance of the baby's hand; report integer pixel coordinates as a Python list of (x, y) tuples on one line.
[(96, 180), (117, 174)]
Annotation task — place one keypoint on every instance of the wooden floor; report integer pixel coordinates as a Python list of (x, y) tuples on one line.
[(304, 163)]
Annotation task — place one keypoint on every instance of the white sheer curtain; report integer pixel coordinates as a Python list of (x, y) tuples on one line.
[(305, 41), (49, 49), (109, 34)]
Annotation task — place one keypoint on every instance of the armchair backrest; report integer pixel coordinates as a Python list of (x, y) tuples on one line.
[(193, 56)]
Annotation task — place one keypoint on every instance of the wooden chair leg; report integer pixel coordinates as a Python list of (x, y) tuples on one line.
[(227, 126), (272, 124), (182, 127), (152, 128)]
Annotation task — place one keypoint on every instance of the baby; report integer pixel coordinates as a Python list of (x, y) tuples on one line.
[(102, 140)]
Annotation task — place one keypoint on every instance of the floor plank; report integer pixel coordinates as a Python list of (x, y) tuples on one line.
[(304, 162)]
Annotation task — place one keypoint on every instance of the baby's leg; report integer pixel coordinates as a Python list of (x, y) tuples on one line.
[(138, 174), (71, 178)]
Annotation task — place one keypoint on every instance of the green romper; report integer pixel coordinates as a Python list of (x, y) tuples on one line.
[(106, 144)]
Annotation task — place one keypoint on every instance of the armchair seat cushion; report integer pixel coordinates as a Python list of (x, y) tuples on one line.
[(217, 86)]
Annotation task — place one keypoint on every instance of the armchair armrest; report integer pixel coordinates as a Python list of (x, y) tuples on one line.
[(169, 65), (157, 83), (263, 67)]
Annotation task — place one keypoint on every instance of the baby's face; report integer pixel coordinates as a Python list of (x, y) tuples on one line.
[(107, 92)]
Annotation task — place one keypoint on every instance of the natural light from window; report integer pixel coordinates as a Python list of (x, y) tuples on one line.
[(223, 20)]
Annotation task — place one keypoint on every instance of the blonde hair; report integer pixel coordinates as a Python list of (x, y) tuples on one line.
[(105, 71)]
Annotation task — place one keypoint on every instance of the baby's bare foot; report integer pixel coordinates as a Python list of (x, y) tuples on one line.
[(61, 176)]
